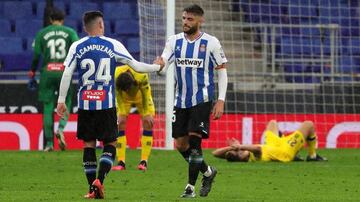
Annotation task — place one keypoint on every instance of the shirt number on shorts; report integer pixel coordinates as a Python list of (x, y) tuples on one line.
[(102, 72)]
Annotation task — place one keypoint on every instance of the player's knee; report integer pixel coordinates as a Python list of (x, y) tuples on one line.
[(309, 124), (181, 145), (121, 124)]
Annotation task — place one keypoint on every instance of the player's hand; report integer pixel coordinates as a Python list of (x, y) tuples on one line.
[(148, 121), (233, 141), (31, 74), (61, 110), (218, 109), (159, 61)]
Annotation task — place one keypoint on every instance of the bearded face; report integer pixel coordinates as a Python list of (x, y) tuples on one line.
[(191, 23)]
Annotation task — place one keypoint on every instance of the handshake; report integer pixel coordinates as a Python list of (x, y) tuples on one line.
[(159, 61)]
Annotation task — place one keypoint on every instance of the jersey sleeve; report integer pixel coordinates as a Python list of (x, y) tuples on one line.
[(217, 54), (118, 95), (122, 55), (168, 53), (70, 65), (73, 36), (145, 89), (37, 51)]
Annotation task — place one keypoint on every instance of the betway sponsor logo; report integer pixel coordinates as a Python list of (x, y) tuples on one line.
[(190, 62)]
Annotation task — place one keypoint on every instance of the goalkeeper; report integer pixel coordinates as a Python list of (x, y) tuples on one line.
[(276, 148), (133, 88), (52, 44)]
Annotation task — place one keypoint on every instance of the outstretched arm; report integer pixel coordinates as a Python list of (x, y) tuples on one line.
[(256, 149), (220, 153)]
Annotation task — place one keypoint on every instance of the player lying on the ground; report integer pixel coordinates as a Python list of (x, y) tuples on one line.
[(275, 147)]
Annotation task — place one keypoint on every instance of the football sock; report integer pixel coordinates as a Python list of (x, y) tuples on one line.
[(312, 142), (106, 161), (48, 120), (62, 123), (121, 146), (208, 171), (186, 154), (146, 144), (89, 163), (195, 159)]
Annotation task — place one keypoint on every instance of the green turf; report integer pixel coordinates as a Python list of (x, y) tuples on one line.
[(58, 176)]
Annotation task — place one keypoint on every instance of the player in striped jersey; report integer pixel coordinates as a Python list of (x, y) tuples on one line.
[(95, 57), (196, 56)]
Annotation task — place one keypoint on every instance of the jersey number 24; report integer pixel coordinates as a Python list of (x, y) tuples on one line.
[(102, 72)]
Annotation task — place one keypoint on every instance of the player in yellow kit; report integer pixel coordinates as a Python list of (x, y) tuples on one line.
[(133, 88), (275, 147)]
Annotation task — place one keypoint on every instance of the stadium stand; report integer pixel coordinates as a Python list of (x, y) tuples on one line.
[(21, 20), (313, 33), (5, 28), (23, 10), (27, 27)]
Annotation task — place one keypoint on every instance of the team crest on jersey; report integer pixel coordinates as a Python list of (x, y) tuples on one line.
[(177, 48), (202, 48)]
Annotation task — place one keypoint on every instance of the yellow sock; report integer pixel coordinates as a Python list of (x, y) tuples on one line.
[(121, 148), (312, 144), (146, 146)]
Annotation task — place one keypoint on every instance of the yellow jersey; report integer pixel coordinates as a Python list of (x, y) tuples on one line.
[(281, 149), (139, 94)]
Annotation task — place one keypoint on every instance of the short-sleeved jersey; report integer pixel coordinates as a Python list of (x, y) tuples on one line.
[(53, 43), (138, 94), (281, 149), (195, 62), (95, 59)]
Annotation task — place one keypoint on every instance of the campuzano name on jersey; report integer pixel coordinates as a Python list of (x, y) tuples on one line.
[(95, 59)]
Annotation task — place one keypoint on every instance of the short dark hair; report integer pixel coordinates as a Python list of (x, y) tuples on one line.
[(194, 9), (90, 16), (124, 81), (231, 157), (57, 14)]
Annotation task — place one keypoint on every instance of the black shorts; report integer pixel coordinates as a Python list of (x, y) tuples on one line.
[(195, 119), (97, 125)]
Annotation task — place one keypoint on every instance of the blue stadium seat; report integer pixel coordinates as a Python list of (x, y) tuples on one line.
[(77, 9), (303, 11), (126, 27), (113, 11), (12, 63), (309, 32), (346, 64), (73, 24), (354, 46), (5, 28), (133, 44), (294, 68), (17, 10), (40, 6), (290, 46), (29, 44), (11, 45), (27, 28)]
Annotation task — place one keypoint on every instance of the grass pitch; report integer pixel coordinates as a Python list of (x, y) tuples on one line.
[(58, 176)]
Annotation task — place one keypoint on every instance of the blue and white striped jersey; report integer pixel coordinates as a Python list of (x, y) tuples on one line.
[(195, 62), (95, 59)]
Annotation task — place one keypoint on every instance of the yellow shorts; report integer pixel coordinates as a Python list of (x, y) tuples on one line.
[(125, 107), (290, 144)]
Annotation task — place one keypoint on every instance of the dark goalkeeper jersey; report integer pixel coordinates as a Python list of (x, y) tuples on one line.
[(52, 44)]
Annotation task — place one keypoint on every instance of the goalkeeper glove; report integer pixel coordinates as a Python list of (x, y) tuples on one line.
[(32, 83)]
